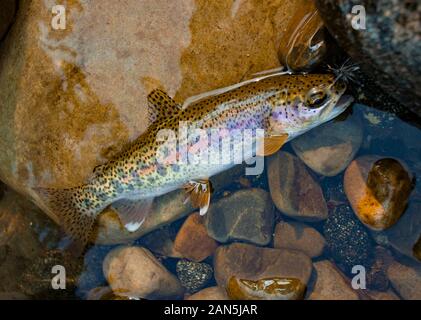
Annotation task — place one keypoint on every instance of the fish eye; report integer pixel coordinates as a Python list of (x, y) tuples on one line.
[(316, 98)]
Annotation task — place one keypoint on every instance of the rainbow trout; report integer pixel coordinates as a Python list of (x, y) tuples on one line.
[(282, 106)]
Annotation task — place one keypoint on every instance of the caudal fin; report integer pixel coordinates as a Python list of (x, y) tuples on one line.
[(76, 209)]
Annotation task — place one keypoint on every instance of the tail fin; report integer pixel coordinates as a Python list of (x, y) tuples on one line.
[(76, 208)]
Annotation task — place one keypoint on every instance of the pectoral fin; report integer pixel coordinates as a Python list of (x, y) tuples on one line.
[(199, 193), (269, 145), (133, 213)]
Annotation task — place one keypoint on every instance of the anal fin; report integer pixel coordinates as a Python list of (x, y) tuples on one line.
[(132, 213)]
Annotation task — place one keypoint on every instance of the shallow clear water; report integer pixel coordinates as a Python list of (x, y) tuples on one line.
[(73, 99)]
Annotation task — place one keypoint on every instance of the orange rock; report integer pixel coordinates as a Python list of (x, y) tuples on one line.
[(192, 241), (378, 190)]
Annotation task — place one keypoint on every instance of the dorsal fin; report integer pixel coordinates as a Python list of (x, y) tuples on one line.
[(161, 105)]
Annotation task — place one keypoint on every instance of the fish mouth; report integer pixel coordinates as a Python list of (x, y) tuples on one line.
[(340, 106)]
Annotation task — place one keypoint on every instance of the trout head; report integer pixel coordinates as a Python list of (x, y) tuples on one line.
[(306, 101)]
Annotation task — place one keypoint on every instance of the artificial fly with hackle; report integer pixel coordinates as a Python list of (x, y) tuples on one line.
[(346, 72)]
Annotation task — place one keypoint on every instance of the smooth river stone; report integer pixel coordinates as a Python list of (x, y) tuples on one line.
[(329, 148), (378, 190), (134, 272), (406, 279), (192, 241), (330, 284), (246, 261), (246, 215), (298, 236), (293, 190), (265, 289), (7, 13)]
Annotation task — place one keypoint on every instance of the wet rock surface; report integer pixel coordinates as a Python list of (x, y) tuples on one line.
[(329, 148), (160, 242), (405, 234), (193, 275), (265, 289), (25, 234), (298, 236), (378, 190), (379, 295), (347, 240), (245, 215), (192, 240), (104, 293), (406, 280), (38, 279), (302, 45), (293, 190), (92, 275), (376, 276), (330, 284), (388, 45), (246, 261), (135, 272), (7, 14)]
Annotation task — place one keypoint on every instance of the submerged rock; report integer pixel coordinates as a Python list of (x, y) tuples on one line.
[(405, 234), (211, 293), (302, 45), (265, 289), (104, 293), (347, 239), (293, 190), (246, 261), (406, 280), (380, 295), (13, 296), (378, 190), (90, 81), (298, 236), (7, 13), (192, 240), (92, 275), (193, 275), (246, 215), (387, 46), (329, 148), (160, 242), (330, 284), (376, 276), (134, 272), (38, 278), (25, 234)]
